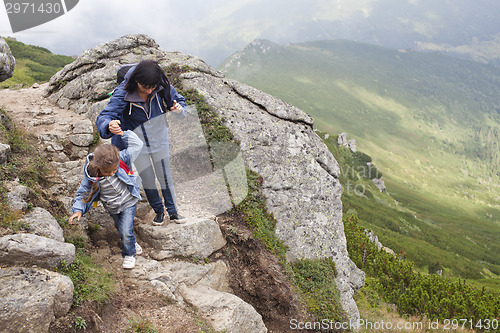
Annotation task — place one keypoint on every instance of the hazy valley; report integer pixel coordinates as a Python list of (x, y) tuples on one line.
[(430, 122)]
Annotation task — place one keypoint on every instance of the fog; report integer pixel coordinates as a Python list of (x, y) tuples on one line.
[(215, 29)]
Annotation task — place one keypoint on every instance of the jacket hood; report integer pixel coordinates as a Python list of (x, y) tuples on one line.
[(89, 158)]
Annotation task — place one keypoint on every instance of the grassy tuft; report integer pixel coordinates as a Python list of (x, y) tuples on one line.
[(140, 325), (91, 282)]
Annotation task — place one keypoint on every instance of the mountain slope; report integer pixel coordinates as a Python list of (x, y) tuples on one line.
[(33, 63), (430, 122)]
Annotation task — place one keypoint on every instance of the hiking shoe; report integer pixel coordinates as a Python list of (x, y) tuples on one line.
[(177, 218), (158, 220), (128, 262), (138, 249)]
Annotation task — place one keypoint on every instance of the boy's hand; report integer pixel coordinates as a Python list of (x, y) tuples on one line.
[(114, 127), (177, 108), (76, 215)]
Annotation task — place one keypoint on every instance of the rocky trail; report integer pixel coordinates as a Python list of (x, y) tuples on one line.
[(175, 295)]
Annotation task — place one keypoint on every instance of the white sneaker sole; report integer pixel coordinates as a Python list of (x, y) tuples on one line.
[(129, 264), (138, 249)]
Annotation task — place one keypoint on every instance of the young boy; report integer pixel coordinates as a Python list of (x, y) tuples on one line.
[(107, 177)]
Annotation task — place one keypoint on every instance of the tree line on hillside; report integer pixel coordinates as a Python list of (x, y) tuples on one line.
[(414, 293)]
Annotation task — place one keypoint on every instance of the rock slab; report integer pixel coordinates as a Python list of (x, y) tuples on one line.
[(32, 298), (29, 249), (197, 238)]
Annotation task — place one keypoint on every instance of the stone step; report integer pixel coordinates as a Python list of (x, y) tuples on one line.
[(199, 237)]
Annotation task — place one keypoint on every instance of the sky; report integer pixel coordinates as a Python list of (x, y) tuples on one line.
[(189, 26), (92, 22), (215, 29)]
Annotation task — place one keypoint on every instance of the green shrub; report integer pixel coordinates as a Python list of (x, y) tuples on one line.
[(413, 293), (263, 224), (316, 281), (80, 323)]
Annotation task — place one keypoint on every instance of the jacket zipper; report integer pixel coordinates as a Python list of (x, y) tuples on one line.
[(139, 106), (143, 109)]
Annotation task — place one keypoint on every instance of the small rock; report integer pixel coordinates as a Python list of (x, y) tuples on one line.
[(223, 311), (42, 223), (17, 195), (81, 140), (83, 127), (379, 182), (4, 153)]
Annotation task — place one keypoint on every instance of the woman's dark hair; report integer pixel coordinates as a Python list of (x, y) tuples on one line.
[(105, 156), (148, 73)]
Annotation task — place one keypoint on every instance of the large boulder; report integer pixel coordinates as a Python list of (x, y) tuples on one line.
[(300, 174), (32, 298), (7, 61), (29, 249)]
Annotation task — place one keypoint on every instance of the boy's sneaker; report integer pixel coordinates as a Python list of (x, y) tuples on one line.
[(158, 220), (138, 249), (128, 262), (177, 218)]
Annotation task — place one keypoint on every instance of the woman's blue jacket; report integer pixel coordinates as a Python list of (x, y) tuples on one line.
[(122, 106)]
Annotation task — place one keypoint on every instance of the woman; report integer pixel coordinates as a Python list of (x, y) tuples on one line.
[(136, 104)]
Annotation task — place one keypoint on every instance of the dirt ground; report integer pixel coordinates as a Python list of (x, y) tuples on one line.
[(257, 276)]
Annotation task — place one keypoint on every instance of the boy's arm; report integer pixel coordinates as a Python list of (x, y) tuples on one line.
[(134, 147), (78, 205)]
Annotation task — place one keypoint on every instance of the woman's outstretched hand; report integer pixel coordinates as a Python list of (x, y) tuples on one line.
[(177, 108)]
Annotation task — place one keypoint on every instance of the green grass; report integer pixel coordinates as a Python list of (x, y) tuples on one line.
[(91, 281), (140, 325), (434, 237), (33, 64)]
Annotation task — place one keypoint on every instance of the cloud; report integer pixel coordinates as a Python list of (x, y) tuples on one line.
[(93, 22), (215, 29)]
